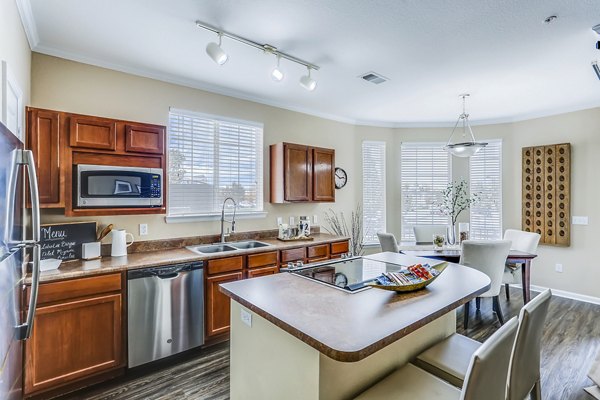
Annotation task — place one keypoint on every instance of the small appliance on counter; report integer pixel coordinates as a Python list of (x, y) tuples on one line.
[(301, 231)]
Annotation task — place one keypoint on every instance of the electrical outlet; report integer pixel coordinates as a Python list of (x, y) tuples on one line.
[(246, 317), (315, 219), (143, 229), (579, 220), (559, 268), (279, 221), (292, 221)]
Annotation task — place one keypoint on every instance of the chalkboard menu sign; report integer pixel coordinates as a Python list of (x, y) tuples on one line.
[(63, 241)]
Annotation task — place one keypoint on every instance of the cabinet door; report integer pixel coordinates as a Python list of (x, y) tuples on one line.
[(297, 160), (93, 133), (253, 273), (72, 340), (323, 174), (144, 139), (318, 253), (217, 304), (43, 138)]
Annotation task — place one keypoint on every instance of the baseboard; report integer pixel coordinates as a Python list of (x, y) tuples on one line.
[(565, 294)]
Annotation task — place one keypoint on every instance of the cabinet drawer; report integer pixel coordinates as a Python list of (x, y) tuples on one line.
[(339, 247), (293, 255), (253, 273), (262, 259), (225, 265), (93, 133), (319, 251), (74, 288), (144, 139)]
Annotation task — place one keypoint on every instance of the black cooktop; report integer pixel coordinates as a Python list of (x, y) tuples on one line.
[(350, 274)]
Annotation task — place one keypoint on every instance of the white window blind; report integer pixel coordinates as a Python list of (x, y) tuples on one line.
[(373, 154), (211, 159), (425, 170), (485, 172)]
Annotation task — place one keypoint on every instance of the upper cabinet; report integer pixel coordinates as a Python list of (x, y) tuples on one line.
[(61, 140), (301, 173)]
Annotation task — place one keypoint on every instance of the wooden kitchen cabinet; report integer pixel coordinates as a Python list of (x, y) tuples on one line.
[(144, 139), (339, 248), (93, 132), (263, 271), (301, 173), (217, 304), (318, 253), (44, 140), (77, 332)]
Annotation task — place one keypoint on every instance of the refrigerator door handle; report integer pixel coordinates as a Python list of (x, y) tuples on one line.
[(24, 330)]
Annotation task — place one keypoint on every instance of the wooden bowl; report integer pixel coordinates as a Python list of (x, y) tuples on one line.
[(411, 287)]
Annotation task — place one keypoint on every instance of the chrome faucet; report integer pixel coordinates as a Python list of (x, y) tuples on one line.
[(223, 220)]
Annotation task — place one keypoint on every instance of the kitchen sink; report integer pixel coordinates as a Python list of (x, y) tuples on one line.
[(212, 248), (248, 244)]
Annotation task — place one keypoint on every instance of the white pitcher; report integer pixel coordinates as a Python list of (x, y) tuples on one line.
[(119, 242)]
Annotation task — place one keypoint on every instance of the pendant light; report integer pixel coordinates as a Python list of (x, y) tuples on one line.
[(465, 148)]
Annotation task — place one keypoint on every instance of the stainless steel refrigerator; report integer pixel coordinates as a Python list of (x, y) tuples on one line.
[(15, 253)]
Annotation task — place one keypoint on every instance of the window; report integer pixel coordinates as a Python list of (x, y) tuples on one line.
[(210, 159), (425, 172), (485, 173), (373, 154)]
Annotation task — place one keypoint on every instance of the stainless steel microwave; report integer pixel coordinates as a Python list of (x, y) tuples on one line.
[(111, 186)]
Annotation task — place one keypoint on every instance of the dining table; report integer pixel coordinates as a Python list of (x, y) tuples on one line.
[(452, 254)]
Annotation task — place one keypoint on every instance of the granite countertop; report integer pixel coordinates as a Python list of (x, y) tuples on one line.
[(80, 268), (349, 327)]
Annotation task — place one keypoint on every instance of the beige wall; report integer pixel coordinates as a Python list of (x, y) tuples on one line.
[(14, 48), (65, 85)]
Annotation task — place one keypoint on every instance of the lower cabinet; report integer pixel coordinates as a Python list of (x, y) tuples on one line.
[(253, 273), (217, 304), (77, 332)]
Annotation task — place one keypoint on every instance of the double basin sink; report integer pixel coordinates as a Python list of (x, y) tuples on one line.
[(225, 247)]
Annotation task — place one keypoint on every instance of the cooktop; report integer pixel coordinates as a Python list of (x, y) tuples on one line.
[(351, 274)]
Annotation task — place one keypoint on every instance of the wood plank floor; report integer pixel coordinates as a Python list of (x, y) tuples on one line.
[(570, 343)]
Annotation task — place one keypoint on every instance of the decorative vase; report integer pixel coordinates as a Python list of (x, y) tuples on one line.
[(451, 237)]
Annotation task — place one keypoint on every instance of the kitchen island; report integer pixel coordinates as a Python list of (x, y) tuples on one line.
[(304, 340)]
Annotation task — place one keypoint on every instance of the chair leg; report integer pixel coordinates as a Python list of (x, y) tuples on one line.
[(466, 317), (497, 309), (536, 393), (478, 303), (507, 291)]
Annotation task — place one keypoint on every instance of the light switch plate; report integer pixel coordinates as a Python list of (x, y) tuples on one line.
[(292, 221), (279, 221), (559, 268), (143, 229), (579, 220), (246, 317), (315, 219)]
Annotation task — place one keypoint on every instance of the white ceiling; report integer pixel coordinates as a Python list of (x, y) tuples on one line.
[(501, 52)]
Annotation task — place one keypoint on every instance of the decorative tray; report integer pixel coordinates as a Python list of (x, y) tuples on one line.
[(409, 279), (295, 239)]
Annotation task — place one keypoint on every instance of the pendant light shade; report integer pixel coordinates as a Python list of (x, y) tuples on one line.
[(465, 148), (215, 52)]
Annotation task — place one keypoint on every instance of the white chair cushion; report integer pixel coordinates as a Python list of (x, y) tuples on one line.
[(410, 383), (449, 359)]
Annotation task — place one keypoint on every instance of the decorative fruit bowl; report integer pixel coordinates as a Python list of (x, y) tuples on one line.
[(409, 279)]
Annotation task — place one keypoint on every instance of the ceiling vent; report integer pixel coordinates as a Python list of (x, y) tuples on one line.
[(374, 77)]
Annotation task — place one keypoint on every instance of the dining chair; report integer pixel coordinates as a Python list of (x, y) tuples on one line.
[(486, 375), (522, 241), (487, 256), (449, 359), (424, 233), (388, 242)]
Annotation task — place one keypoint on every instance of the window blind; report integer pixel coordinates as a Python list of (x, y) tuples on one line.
[(211, 159), (485, 175), (373, 158), (425, 170)]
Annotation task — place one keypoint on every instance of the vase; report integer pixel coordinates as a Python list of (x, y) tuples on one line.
[(451, 237)]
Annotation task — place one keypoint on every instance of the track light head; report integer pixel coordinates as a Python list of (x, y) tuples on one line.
[(277, 74), (215, 52), (596, 68), (307, 82)]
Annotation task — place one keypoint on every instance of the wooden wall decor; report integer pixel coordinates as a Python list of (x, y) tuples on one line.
[(546, 192)]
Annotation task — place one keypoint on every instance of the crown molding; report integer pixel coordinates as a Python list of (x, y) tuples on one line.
[(28, 21)]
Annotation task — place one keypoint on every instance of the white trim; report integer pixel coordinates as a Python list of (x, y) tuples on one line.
[(563, 293), (217, 118), (177, 219), (28, 21)]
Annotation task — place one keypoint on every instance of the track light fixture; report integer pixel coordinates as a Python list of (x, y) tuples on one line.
[(307, 82), (219, 56), (215, 52), (277, 74), (596, 68)]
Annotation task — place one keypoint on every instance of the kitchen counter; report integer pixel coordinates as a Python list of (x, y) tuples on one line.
[(80, 268), (348, 339)]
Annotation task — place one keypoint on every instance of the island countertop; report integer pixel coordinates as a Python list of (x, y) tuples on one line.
[(351, 326)]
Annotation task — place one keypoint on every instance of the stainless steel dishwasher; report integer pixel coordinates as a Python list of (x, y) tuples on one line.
[(165, 311)]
